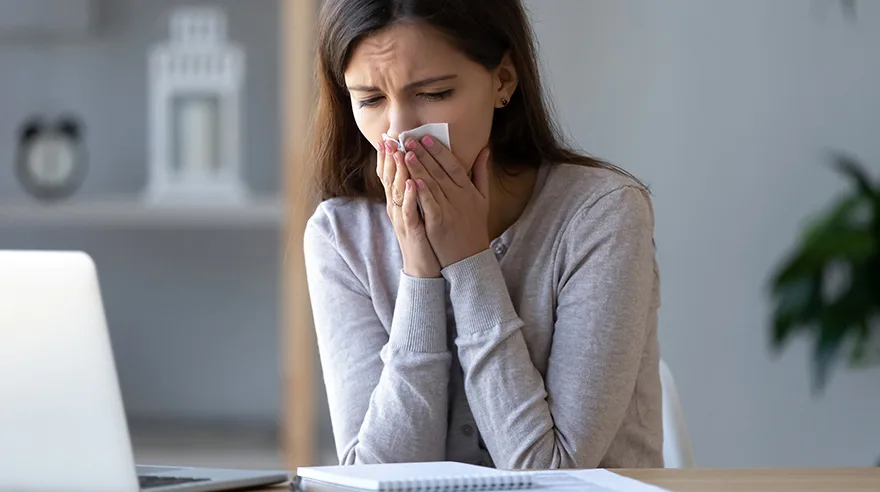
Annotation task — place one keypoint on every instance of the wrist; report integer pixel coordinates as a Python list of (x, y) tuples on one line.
[(478, 290), (421, 271), (464, 254), (419, 322)]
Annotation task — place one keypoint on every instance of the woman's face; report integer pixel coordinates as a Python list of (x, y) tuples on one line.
[(408, 75)]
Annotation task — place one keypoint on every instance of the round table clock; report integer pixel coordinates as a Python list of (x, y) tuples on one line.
[(52, 160)]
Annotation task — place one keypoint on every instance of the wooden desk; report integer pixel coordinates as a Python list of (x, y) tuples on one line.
[(761, 480)]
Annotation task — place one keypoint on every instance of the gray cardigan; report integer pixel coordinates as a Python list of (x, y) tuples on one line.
[(540, 352)]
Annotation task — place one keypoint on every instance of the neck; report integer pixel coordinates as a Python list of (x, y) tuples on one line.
[(508, 197)]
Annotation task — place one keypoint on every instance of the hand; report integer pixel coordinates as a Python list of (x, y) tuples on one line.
[(456, 207), (401, 200)]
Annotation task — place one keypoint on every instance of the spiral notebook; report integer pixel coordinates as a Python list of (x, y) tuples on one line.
[(399, 477)]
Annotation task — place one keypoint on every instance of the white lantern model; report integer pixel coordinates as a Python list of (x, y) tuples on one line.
[(196, 80)]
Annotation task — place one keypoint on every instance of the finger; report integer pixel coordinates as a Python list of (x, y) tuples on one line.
[(380, 159), (389, 169), (481, 172), (429, 201), (447, 161), (418, 171), (434, 169), (411, 219), (398, 187)]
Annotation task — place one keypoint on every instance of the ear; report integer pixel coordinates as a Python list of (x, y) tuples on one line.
[(506, 81), (69, 127), (30, 130)]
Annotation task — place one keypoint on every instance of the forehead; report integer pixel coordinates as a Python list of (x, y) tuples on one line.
[(403, 52)]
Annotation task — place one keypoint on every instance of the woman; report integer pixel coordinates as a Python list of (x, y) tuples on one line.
[(495, 303)]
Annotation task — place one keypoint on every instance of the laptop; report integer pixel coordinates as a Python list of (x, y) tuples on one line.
[(62, 420)]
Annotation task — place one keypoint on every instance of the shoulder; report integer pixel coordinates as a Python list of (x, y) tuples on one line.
[(589, 194), (603, 216), (589, 185)]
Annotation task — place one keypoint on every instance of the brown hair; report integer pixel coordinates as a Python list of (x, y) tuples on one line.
[(523, 133)]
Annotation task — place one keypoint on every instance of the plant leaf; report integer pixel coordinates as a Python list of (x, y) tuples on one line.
[(856, 172), (826, 351), (842, 318), (797, 306), (851, 167), (813, 258), (841, 214), (852, 244), (859, 353)]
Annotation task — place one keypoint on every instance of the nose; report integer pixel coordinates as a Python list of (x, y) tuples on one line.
[(400, 119)]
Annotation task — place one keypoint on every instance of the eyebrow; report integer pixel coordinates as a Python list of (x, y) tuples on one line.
[(410, 86)]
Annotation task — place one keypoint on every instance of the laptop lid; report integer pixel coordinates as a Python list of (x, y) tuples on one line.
[(62, 422)]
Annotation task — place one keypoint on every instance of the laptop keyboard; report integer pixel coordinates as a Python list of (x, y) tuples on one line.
[(152, 482)]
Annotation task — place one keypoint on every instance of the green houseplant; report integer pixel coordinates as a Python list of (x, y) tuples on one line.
[(829, 285)]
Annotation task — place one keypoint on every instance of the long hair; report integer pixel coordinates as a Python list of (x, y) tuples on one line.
[(523, 134)]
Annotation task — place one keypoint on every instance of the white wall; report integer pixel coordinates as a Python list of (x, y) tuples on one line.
[(724, 108)]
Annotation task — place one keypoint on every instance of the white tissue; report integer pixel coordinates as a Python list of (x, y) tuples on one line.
[(440, 131)]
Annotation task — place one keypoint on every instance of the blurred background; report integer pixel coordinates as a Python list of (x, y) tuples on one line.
[(725, 108)]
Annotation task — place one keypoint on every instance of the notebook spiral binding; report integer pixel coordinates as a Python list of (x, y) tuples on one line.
[(512, 481)]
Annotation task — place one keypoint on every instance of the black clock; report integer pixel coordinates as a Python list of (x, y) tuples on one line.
[(51, 158)]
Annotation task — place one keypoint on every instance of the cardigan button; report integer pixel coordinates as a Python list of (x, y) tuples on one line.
[(500, 249)]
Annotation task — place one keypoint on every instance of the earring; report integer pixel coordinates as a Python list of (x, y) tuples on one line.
[(504, 102)]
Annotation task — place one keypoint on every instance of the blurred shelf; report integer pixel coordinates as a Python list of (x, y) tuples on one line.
[(129, 212)]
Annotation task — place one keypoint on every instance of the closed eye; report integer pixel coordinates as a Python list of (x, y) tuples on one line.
[(369, 103), (436, 96)]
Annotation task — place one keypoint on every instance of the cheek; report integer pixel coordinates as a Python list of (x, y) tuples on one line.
[(369, 125), (470, 132)]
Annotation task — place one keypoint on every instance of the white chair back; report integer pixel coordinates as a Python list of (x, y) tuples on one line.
[(678, 450)]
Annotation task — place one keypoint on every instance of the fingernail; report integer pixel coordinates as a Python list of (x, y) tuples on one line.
[(410, 144), (397, 157), (428, 141), (408, 185), (410, 156), (389, 147), (421, 184), (380, 146)]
